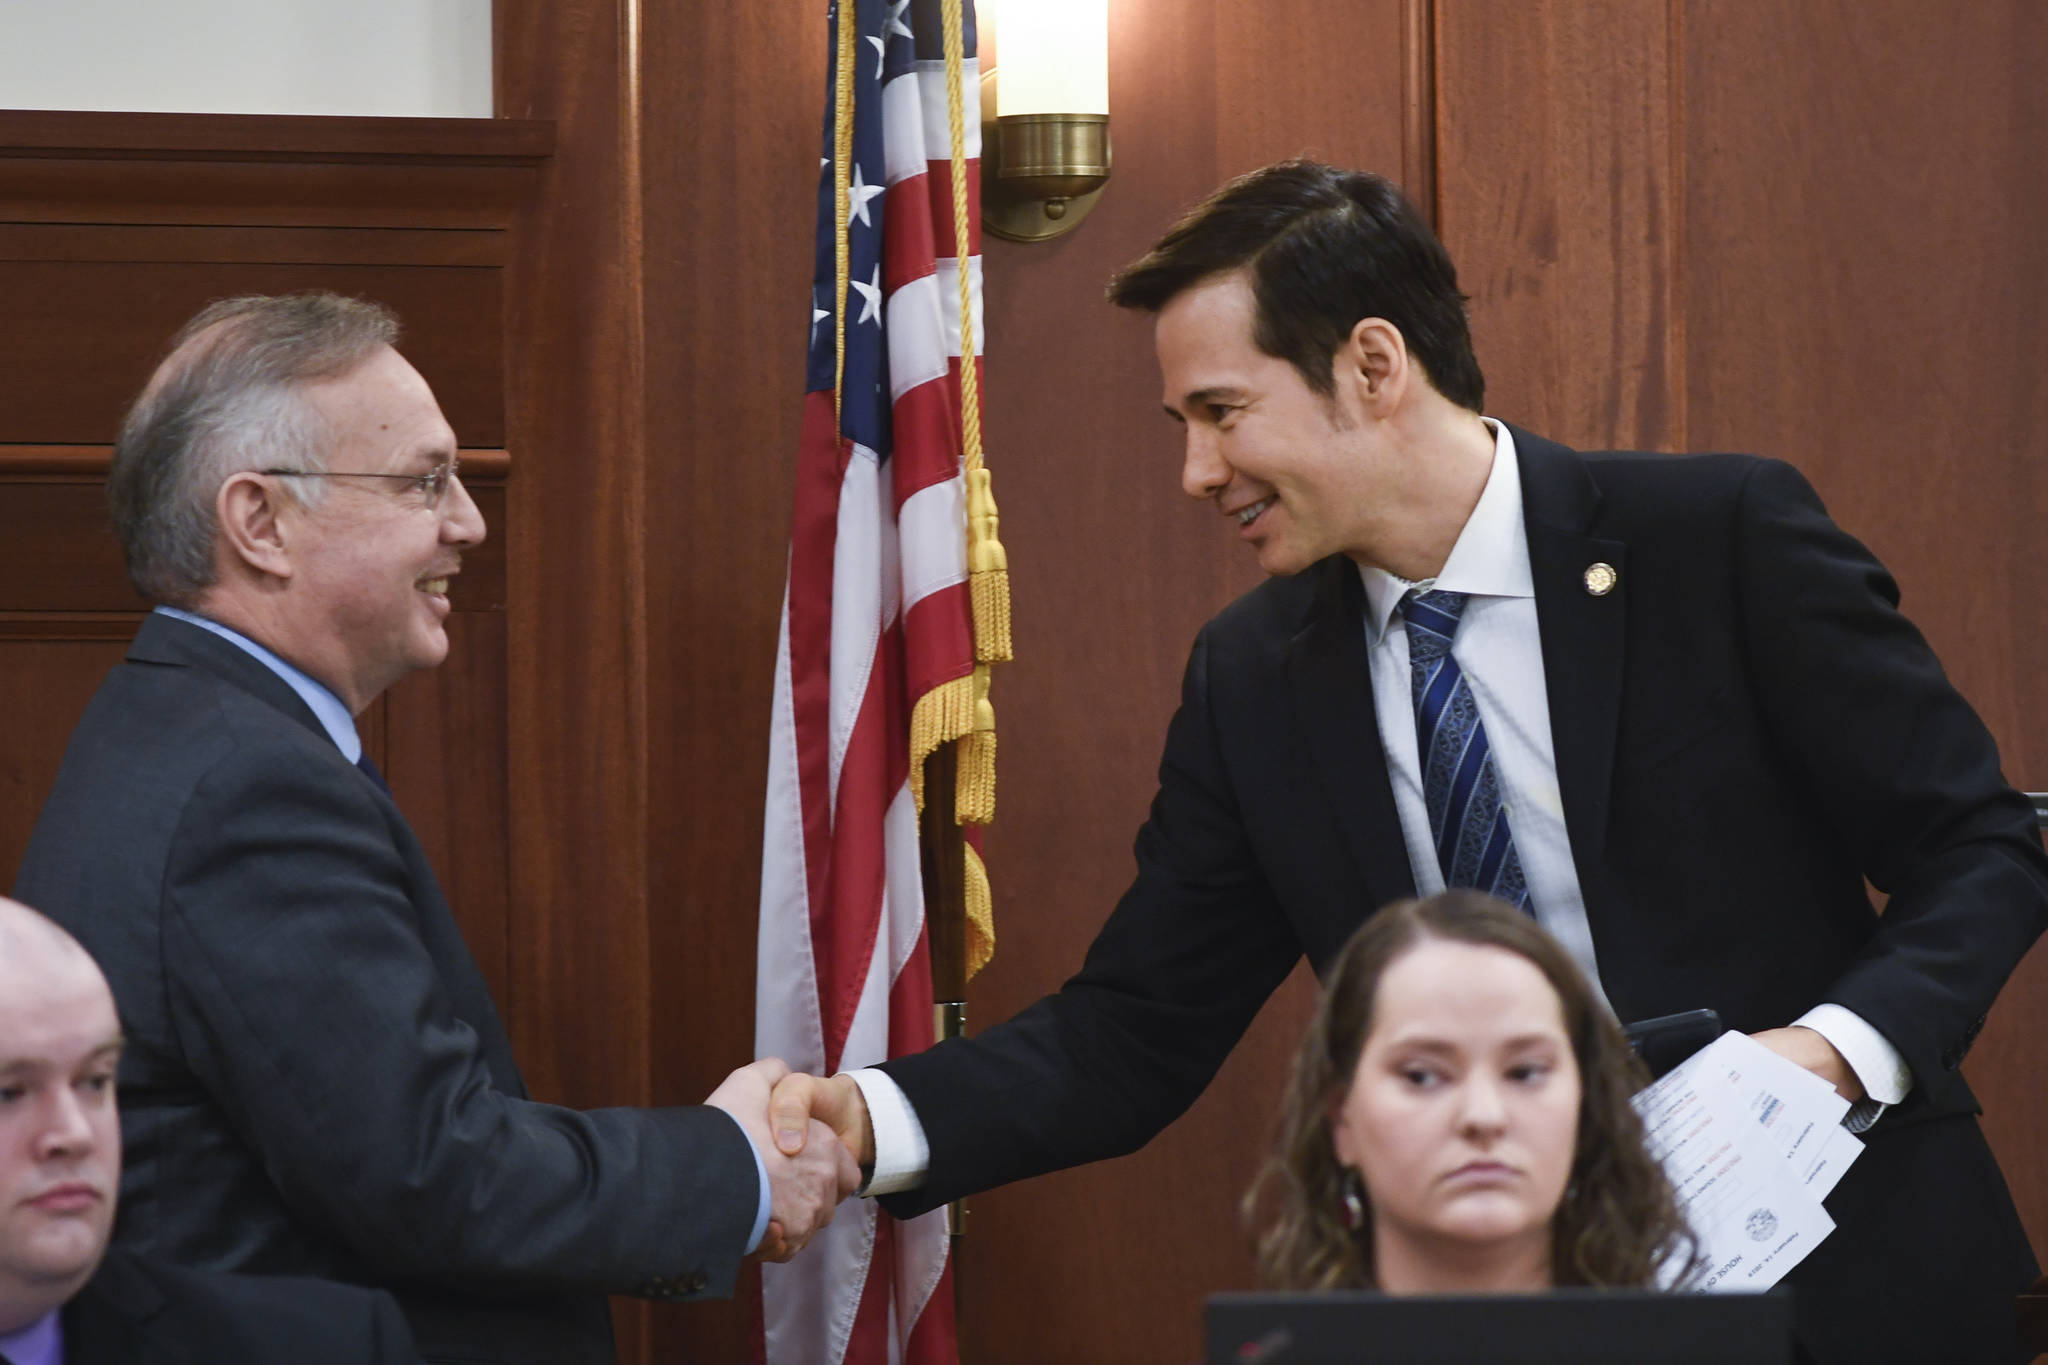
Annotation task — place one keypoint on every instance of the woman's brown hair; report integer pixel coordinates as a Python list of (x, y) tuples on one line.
[(1619, 1224)]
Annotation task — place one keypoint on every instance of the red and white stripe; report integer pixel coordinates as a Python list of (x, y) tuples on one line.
[(875, 613)]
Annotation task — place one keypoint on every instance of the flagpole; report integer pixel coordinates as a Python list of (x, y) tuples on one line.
[(943, 855)]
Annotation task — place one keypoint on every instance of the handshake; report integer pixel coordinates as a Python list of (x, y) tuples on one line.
[(812, 1135)]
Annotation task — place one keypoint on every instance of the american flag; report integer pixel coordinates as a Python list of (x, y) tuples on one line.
[(877, 614)]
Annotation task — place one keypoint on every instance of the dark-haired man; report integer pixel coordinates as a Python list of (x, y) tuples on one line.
[(317, 1079), (1661, 703)]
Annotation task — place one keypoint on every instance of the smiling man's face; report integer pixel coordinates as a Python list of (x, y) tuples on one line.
[(371, 560), (60, 1133), (1302, 476)]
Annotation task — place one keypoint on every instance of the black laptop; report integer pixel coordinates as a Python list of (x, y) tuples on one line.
[(1563, 1327)]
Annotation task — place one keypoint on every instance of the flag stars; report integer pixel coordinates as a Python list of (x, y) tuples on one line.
[(896, 24), (881, 52), (857, 196), (871, 299), (818, 314)]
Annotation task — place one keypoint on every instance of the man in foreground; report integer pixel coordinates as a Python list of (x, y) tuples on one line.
[(64, 1298), (317, 1080), (1663, 704)]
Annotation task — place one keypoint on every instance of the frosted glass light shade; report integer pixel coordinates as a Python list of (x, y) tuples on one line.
[(1053, 57)]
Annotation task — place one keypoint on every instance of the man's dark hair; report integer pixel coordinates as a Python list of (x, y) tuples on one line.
[(1324, 248)]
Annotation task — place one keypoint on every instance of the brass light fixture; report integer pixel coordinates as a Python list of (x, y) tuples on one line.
[(1045, 127)]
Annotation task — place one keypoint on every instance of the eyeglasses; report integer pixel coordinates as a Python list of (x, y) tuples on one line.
[(430, 485)]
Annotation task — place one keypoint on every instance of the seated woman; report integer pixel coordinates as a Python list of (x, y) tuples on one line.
[(1459, 1121)]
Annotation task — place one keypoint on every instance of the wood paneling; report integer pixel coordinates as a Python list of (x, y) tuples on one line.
[(578, 685), (57, 551), (1809, 231), (1559, 199), (47, 684), (731, 143), (238, 170), (276, 139), (1866, 280), (84, 330)]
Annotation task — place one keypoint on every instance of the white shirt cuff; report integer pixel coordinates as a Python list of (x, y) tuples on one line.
[(1885, 1076), (902, 1155)]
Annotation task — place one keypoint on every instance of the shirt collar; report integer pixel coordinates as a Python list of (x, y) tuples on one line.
[(1490, 558), (326, 707), (39, 1343)]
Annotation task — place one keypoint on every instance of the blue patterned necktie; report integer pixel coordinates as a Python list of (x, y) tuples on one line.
[(1460, 783)]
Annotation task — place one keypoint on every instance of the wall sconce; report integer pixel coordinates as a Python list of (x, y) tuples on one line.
[(1045, 126)]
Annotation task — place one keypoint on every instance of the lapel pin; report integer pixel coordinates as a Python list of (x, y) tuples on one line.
[(1600, 579)]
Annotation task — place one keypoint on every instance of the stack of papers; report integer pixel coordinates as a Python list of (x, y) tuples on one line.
[(1753, 1143)]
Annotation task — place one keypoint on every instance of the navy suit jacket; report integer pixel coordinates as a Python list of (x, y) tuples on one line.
[(1745, 730), (136, 1311), (316, 1080)]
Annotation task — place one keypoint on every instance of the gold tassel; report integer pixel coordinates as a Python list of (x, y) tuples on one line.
[(940, 716), (981, 913), (974, 791), (988, 571)]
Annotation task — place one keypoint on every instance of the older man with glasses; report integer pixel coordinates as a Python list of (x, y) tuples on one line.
[(317, 1080)]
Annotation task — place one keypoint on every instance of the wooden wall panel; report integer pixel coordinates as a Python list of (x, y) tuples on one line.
[(1686, 228), (57, 550), (1559, 198), (728, 217), (577, 691), (47, 684), (1866, 281), (88, 331)]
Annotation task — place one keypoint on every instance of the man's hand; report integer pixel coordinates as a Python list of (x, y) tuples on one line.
[(1814, 1052), (801, 1102), (805, 1186)]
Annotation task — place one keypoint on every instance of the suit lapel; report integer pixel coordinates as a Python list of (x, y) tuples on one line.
[(106, 1323), (1331, 682), (1583, 635), (167, 640)]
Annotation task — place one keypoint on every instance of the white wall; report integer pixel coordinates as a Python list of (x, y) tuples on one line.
[(402, 57)]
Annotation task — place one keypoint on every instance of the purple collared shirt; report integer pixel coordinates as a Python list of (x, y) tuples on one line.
[(39, 1343)]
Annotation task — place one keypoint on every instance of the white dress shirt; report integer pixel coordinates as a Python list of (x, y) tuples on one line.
[(1500, 651), (1499, 647)]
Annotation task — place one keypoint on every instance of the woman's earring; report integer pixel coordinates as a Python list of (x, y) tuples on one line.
[(1352, 1193)]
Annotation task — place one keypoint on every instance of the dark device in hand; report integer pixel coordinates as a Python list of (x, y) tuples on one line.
[(1669, 1039)]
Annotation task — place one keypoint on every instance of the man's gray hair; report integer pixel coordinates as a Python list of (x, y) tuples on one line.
[(227, 400)]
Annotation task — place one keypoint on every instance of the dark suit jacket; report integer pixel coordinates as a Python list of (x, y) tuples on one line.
[(143, 1312), (316, 1081), (1745, 729)]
